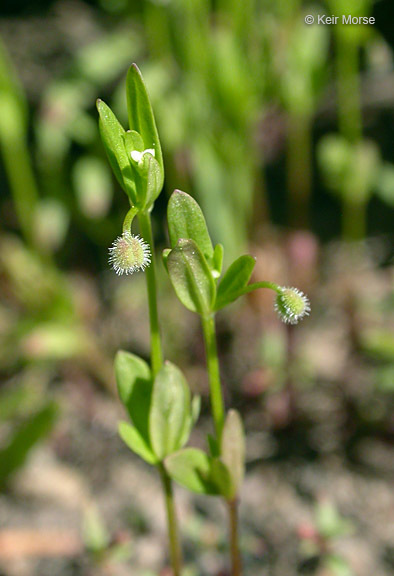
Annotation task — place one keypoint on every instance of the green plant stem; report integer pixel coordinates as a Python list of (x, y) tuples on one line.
[(354, 214), (349, 107), (157, 362), (299, 173), (263, 284), (20, 174), (14, 147), (217, 403), (236, 562), (150, 273), (127, 222), (175, 551)]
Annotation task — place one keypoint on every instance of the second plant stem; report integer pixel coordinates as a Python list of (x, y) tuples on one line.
[(217, 403), (236, 561), (150, 273), (218, 412), (354, 214), (299, 169), (157, 362), (175, 550)]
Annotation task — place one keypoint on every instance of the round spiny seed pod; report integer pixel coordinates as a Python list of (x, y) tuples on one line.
[(292, 305), (129, 254)]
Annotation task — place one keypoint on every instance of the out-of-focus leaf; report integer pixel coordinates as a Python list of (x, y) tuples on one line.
[(24, 438), (40, 288), (351, 34), (137, 444), (134, 382), (95, 535), (190, 467), (330, 523), (23, 397), (50, 224), (385, 183), (198, 472), (220, 477), (334, 157), (363, 171), (55, 341), (379, 343), (11, 91), (385, 379), (92, 183), (214, 448), (169, 419), (337, 565), (102, 61)]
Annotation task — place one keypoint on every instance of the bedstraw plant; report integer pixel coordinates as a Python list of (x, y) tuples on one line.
[(157, 397)]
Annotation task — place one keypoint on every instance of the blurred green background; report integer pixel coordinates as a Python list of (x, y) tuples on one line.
[(283, 132)]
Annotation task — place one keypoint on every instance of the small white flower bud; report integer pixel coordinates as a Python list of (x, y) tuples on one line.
[(129, 254), (138, 156)]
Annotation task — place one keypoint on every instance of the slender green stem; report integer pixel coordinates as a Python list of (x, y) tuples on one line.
[(127, 222), (262, 284), (218, 412), (354, 220), (349, 107), (175, 551), (299, 169), (156, 348), (236, 561), (354, 214), (208, 326), (21, 177), (157, 362), (14, 147)]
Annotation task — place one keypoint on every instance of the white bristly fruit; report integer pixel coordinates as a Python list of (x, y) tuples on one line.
[(129, 254), (292, 305)]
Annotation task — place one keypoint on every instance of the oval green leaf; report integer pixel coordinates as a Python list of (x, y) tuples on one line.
[(169, 420), (191, 277), (112, 135), (186, 220), (153, 179), (198, 472), (220, 477), (234, 281), (133, 439), (134, 382), (190, 468)]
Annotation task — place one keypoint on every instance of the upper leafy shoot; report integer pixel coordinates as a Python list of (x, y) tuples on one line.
[(141, 118)]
